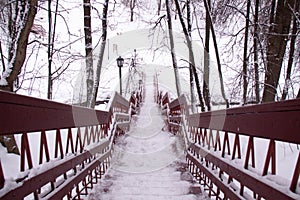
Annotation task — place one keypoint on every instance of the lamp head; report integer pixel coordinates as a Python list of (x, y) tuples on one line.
[(120, 61)]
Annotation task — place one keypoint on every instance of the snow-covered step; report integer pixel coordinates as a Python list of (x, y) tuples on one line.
[(150, 190), (153, 184), (172, 182), (148, 163), (143, 197)]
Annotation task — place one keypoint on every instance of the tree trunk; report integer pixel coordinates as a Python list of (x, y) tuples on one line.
[(101, 54), (132, 6), (217, 53), (272, 14), (51, 36), (277, 41), (172, 46), (192, 81), (88, 51), (26, 11), (206, 92), (255, 54), (49, 93), (158, 7), (191, 55), (2, 57), (291, 54), (245, 61), (18, 47)]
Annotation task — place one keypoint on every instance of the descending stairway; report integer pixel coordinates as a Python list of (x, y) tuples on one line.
[(148, 162)]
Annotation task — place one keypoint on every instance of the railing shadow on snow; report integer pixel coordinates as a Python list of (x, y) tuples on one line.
[(65, 149), (216, 157)]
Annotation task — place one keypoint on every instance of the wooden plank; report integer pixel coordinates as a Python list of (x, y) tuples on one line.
[(63, 190), (34, 183), (165, 99), (121, 102), (26, 114), (278, 121), (174, 104), (218, 182), (254, 183)]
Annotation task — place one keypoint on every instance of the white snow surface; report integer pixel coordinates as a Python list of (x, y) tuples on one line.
[(148, 162)]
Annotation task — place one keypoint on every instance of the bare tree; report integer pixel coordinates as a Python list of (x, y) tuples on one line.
[(245, 59), (291, 53), (206, 93), (21, 15), (51, 35), (101, 54), (132, 6), (255, 53), (19, 26), (276, 47), (266, 24), (191, 55), (192, 81), (88, 51), (172, 46), (158, 7), (49, 94), (217, 52)]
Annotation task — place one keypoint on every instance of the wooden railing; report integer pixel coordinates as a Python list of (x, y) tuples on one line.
[(65, 149), (221, 164)]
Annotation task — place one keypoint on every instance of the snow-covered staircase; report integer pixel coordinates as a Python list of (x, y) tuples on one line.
[(148, 162), (172, 182)]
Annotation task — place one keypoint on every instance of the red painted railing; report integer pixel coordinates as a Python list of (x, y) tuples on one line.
[(215, 153), (65, 149)]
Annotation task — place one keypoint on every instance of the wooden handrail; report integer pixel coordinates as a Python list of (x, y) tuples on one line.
[(58, 169), (21, 114), (278, 121), (210, 151), (165, 99), (79, 126)]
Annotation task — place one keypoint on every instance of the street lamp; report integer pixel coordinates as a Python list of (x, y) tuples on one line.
[(140, 83), (120, 62)]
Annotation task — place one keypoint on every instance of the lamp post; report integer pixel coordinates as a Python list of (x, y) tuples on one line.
[(120, 62), (140, 84)]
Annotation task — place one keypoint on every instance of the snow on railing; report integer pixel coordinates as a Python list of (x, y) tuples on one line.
[(65, 149), (236, 153)]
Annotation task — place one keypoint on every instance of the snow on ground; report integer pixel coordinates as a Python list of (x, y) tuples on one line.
[(148, 162)]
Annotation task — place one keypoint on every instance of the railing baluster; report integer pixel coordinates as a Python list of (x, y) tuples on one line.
[(25, 153), (250, 151), (44, 146), (270, 155), (218, 141), (58, 145), (225, 144), (97, 133), (93, 134), (2, 178), (204, 137), (294, 182), (78, 143), (70, 141), (210, 141), (236, 147), (198, 135)]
